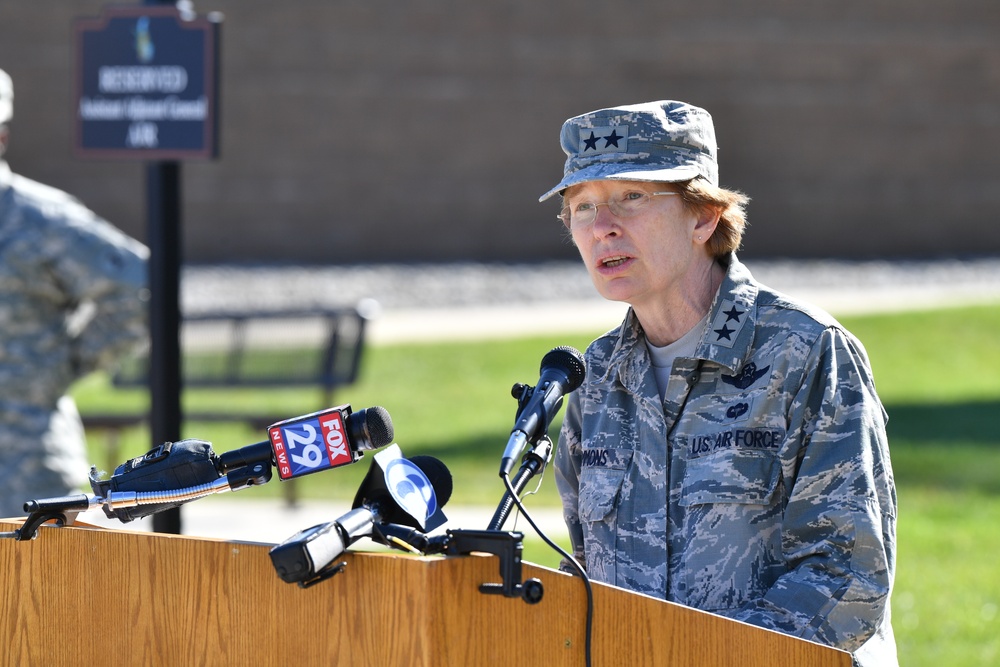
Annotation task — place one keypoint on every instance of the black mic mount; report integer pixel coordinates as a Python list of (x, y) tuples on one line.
[(507, 545), (189, 470), (532, 464)]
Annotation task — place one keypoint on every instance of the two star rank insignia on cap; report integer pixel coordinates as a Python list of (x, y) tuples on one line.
[(728, 323), (604, 139)]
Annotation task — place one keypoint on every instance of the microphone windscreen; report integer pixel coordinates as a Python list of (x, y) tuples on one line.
[(375, 425), (568, 360), (438, 475)]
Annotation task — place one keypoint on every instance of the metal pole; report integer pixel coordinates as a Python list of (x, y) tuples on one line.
[(163, 196)]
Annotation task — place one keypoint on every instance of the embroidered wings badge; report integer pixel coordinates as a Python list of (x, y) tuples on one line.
[(747, 376)]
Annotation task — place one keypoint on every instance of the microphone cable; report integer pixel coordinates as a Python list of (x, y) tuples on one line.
[(568, 557)]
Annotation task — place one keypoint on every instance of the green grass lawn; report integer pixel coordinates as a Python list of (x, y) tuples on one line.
[(938, 374)]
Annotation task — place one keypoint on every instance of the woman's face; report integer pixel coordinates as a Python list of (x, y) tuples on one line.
[(642, 258)]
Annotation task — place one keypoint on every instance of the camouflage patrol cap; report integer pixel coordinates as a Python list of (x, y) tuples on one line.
[(6, 98), (663, 141)]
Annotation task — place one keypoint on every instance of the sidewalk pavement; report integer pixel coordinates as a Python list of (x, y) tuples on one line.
[(271, 521)]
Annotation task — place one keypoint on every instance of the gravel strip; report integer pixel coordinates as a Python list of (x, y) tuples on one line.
[(214, 288)]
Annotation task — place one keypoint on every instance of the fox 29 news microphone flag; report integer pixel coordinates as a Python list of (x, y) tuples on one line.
[(396, 491), (327, 439)]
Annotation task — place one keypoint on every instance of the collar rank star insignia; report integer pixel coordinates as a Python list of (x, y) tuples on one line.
[(728, 323), (603, 139)]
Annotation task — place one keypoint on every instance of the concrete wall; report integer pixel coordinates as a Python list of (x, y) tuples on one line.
[(389, 130)]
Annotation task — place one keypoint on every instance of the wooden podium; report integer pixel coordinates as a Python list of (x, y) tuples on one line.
[(83, 595)]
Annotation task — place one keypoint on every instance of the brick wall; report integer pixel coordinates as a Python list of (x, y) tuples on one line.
[(377, 130)]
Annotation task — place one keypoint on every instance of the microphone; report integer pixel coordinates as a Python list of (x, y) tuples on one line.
[(317, 441), (175, 473), (397, 490), (562, 371)]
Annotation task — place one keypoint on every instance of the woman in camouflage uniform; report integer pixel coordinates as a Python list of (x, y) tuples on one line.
[(727, 450)]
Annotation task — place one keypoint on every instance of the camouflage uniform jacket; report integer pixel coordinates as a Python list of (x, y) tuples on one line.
[(760, 488), (71, 288)]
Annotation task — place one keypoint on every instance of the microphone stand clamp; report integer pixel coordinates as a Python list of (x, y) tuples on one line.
[(62, 511), (508, 547)]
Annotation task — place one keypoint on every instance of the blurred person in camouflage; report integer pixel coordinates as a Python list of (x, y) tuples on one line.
[(727, 450), (72, 300)]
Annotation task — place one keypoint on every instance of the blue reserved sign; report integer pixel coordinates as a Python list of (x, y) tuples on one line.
[(146, 84)]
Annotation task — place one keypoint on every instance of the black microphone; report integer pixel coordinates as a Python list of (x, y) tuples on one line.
[(314, 442), (165, 477), (562, 371), (396, 490), (175, 473)]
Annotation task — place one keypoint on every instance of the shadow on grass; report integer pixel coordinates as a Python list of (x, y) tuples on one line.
[(935, 423), (936, 446), (946, 446), (941, 447)]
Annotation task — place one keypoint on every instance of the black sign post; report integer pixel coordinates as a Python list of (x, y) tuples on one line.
[(147, 89)]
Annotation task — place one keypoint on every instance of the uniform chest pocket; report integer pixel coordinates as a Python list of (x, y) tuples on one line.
[(747, 478), (600, 489)]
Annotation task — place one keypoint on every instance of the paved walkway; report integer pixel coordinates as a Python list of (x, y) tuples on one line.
[(248, 519)]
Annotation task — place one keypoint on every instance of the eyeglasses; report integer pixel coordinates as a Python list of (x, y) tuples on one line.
[(629, 205)]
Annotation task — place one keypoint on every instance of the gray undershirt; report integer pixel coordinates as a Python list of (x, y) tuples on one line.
[(663, 357)]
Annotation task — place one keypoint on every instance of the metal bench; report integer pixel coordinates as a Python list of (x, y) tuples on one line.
[(319, 348)]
